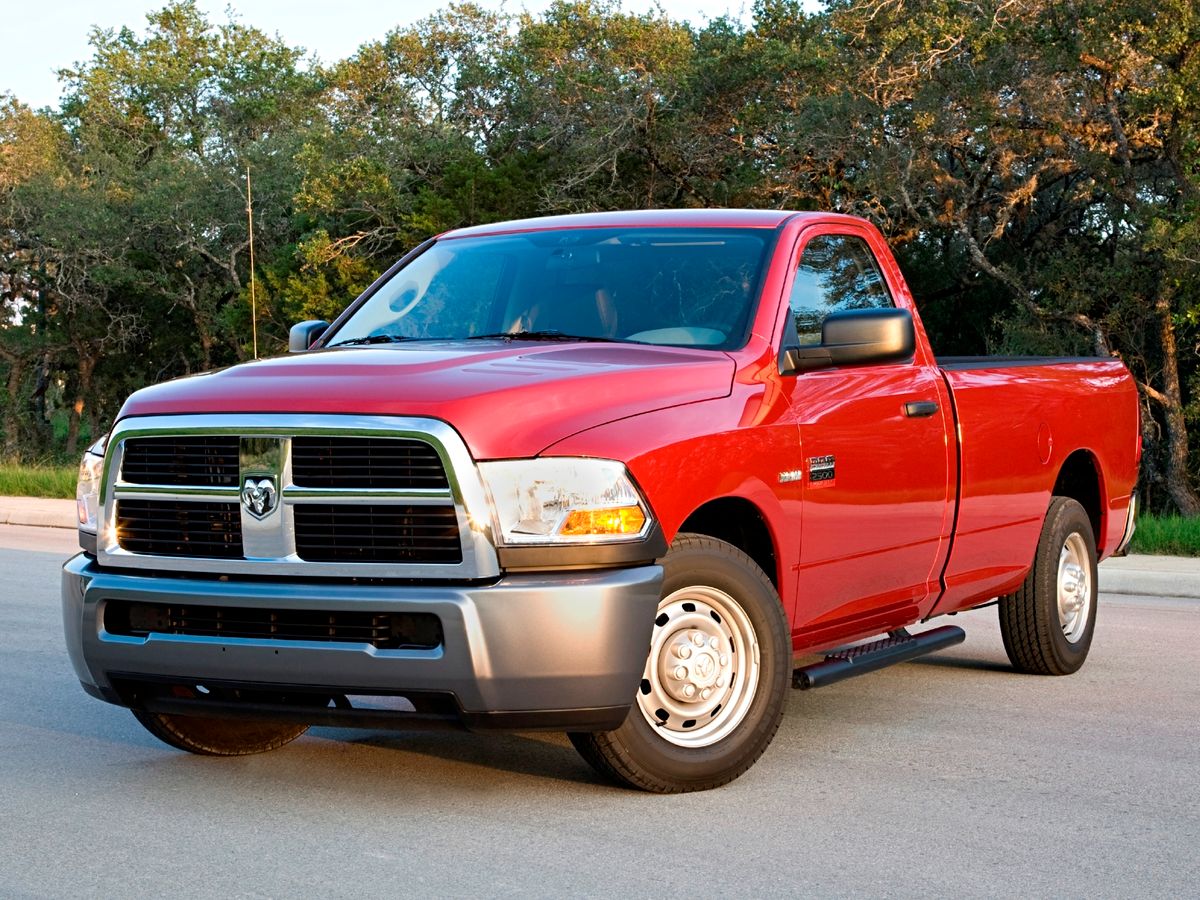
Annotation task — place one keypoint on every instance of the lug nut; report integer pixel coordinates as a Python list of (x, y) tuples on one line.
[(706, 693), (724, 660), (680, 673), (712, 642), (683, 651), (698, 639), (721, 681), (689, 690)]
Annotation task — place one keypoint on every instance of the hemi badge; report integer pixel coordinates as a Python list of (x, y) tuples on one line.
[(821, 468), (791, 475)]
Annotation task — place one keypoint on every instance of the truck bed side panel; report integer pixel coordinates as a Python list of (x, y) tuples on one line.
[(1017, 425)]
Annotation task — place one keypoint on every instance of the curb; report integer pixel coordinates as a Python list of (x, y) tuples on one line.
[(1151, 576), (38, 512)]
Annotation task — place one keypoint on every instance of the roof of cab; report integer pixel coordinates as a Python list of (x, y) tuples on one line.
[(643, 218)]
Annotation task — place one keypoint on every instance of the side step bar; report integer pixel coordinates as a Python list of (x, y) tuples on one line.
[(899, 646)]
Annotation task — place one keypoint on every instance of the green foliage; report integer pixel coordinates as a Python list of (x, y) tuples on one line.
[(1170, 535)]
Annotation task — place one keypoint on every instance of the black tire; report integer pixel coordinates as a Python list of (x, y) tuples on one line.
[(1036, 637), (637, 754), (219, 737)]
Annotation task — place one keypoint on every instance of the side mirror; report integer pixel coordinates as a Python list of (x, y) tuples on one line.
[(305, 334), (856, 337)]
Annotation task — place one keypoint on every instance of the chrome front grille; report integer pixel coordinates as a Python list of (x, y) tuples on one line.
[(332, 462), (180, 528), (374, 532), (294, 495), (194, 460)]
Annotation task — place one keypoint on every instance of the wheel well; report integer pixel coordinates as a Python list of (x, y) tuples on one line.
[(1079, 479), (738, 522)]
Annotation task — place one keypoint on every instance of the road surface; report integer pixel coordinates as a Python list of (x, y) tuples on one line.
[(950, 776)]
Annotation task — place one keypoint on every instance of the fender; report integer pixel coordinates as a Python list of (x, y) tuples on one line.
[(681, 458)]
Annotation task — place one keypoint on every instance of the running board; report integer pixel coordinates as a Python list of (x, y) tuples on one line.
[(899, 646)]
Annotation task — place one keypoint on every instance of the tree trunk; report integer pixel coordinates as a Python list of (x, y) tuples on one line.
[(38, 400), (206, 344), (12, 418), (95, 429), (73, 426), (83, 393), (1171, 400)]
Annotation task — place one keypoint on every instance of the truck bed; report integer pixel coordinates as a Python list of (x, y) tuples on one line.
[(1018, 419)]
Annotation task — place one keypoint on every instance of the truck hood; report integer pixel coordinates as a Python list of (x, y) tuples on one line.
[(506, 400)]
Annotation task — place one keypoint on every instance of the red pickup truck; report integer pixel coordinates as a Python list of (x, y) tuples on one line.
[(608, 474)]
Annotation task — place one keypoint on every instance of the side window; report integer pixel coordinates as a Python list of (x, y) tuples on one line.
[(836, 272)]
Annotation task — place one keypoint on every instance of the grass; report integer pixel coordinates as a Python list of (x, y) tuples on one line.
[(37, 481), (1170, 535)]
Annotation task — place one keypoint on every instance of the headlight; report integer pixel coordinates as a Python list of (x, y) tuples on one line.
[(87, 492), (563, 500)]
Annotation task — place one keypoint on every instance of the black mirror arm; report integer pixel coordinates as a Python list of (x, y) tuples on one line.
[(303, 335), (795, 360)]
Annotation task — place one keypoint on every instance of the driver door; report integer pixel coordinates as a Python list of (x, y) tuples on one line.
[(876, 464)]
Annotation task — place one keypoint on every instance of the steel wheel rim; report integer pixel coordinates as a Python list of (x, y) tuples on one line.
[(703, 668), (1074, 587)]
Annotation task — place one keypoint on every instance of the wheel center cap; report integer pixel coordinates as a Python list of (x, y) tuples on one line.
[(694, 670), (1073, 586), (1074, 574)]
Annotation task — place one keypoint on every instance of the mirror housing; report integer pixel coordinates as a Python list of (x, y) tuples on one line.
[(303, 335), (856, 337)]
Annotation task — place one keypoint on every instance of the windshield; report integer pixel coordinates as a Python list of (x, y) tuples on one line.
[(676, 286)]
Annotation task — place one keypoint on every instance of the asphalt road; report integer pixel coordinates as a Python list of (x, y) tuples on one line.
[(950, 776)]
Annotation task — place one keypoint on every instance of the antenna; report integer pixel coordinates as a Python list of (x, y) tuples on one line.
[(253, 299)]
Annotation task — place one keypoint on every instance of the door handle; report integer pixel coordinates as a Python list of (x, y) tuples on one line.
[(920, 409)]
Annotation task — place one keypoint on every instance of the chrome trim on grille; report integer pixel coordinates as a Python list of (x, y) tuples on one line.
[(410, 497), (125, 491), (272, 540), (272, 534)]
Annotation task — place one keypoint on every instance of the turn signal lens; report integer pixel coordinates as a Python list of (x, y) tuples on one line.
[(624, 520)]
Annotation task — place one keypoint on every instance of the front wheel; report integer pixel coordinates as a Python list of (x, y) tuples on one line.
[(209, 736), (712, 693), (1047, 624)]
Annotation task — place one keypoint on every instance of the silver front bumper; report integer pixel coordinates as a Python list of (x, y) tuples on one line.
[(556, 645)]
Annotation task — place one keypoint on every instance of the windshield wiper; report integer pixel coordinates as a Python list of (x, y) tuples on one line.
[(372, 339), (547, 334)]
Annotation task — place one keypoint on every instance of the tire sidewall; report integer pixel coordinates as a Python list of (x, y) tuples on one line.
[(696, 561), (208, 736), (1067, 517)]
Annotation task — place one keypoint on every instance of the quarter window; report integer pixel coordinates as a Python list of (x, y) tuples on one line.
[(836, 272)]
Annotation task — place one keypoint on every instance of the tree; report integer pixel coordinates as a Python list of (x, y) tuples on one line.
[(1040, 146), (176, 118), (31, 152)]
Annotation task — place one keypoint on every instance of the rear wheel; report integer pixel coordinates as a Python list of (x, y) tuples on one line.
[(712, 693), (219, 737), (1047, 624)]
